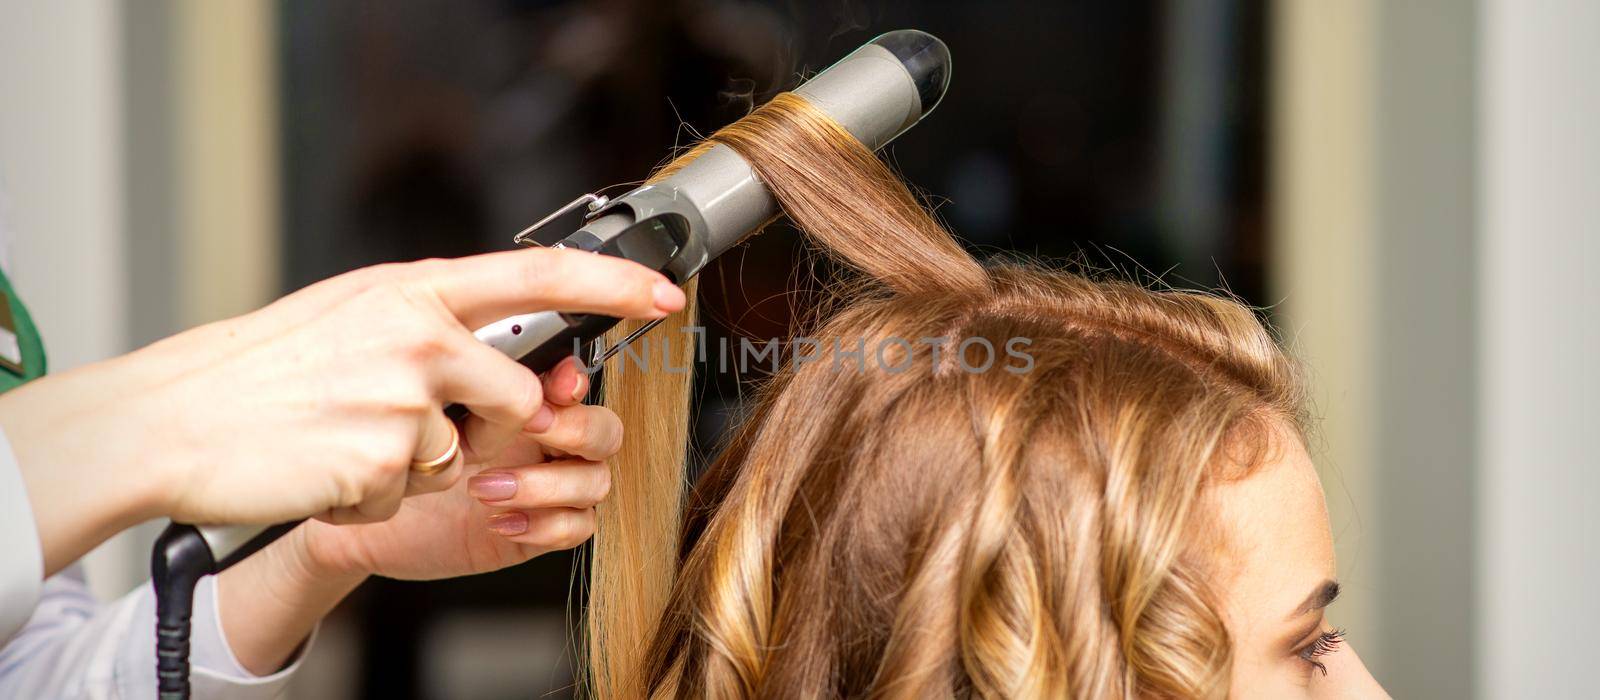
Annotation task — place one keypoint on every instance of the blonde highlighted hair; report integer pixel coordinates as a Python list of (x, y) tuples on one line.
[(933, 530)]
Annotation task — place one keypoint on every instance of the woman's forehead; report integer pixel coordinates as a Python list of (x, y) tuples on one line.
[(1275, 525)]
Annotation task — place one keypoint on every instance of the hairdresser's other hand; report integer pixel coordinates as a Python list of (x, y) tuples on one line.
[(537, 496), (272, 600), (316, 404)]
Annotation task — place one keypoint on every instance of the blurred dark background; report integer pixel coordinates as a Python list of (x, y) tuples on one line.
[(1122, 134)]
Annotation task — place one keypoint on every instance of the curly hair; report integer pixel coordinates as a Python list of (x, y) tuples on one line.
[(939, 519)]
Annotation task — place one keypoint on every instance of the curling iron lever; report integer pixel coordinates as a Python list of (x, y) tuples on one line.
[(592, 201), (675, 226)]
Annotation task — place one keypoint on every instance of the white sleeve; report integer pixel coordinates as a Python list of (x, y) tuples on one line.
[(71, 646), (21, 561), (74, 647)]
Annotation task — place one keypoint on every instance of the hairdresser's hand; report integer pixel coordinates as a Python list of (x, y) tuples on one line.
[(271, 601), (317, 404), (537, 496)]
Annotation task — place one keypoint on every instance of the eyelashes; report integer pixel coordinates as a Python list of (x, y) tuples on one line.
[(1326, 643)]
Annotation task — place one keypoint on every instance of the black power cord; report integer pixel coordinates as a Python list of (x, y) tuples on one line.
[(181, 557)]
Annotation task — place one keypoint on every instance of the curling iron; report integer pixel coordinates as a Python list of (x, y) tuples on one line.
[(674, 226)]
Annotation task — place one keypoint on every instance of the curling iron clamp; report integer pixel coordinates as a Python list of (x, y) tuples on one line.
[(674, 226)]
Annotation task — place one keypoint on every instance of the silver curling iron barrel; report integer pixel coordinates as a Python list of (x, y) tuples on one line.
[(680, 223), (674, 226)]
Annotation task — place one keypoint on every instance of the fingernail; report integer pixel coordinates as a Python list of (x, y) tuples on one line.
[(508, 524), (576, 391), (669, 297), (541, 420), (492, 486)]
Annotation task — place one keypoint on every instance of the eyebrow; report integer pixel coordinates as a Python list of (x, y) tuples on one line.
[(1320, 598)]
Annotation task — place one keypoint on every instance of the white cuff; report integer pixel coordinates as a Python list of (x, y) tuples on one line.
[(214, 672), (212, 659)]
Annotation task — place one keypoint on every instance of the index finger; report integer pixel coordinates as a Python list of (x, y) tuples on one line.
[(484, 288)]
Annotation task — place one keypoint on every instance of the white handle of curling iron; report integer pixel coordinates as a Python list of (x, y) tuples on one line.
[(519, 335)]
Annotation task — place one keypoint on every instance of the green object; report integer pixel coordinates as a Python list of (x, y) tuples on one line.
[(33, 362)]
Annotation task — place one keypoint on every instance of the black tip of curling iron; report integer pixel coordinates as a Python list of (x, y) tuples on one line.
[(926, 60)]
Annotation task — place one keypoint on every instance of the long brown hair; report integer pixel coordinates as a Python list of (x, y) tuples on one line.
[(939, 518)]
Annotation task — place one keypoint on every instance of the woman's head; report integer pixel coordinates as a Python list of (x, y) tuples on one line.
[(999, 481)]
